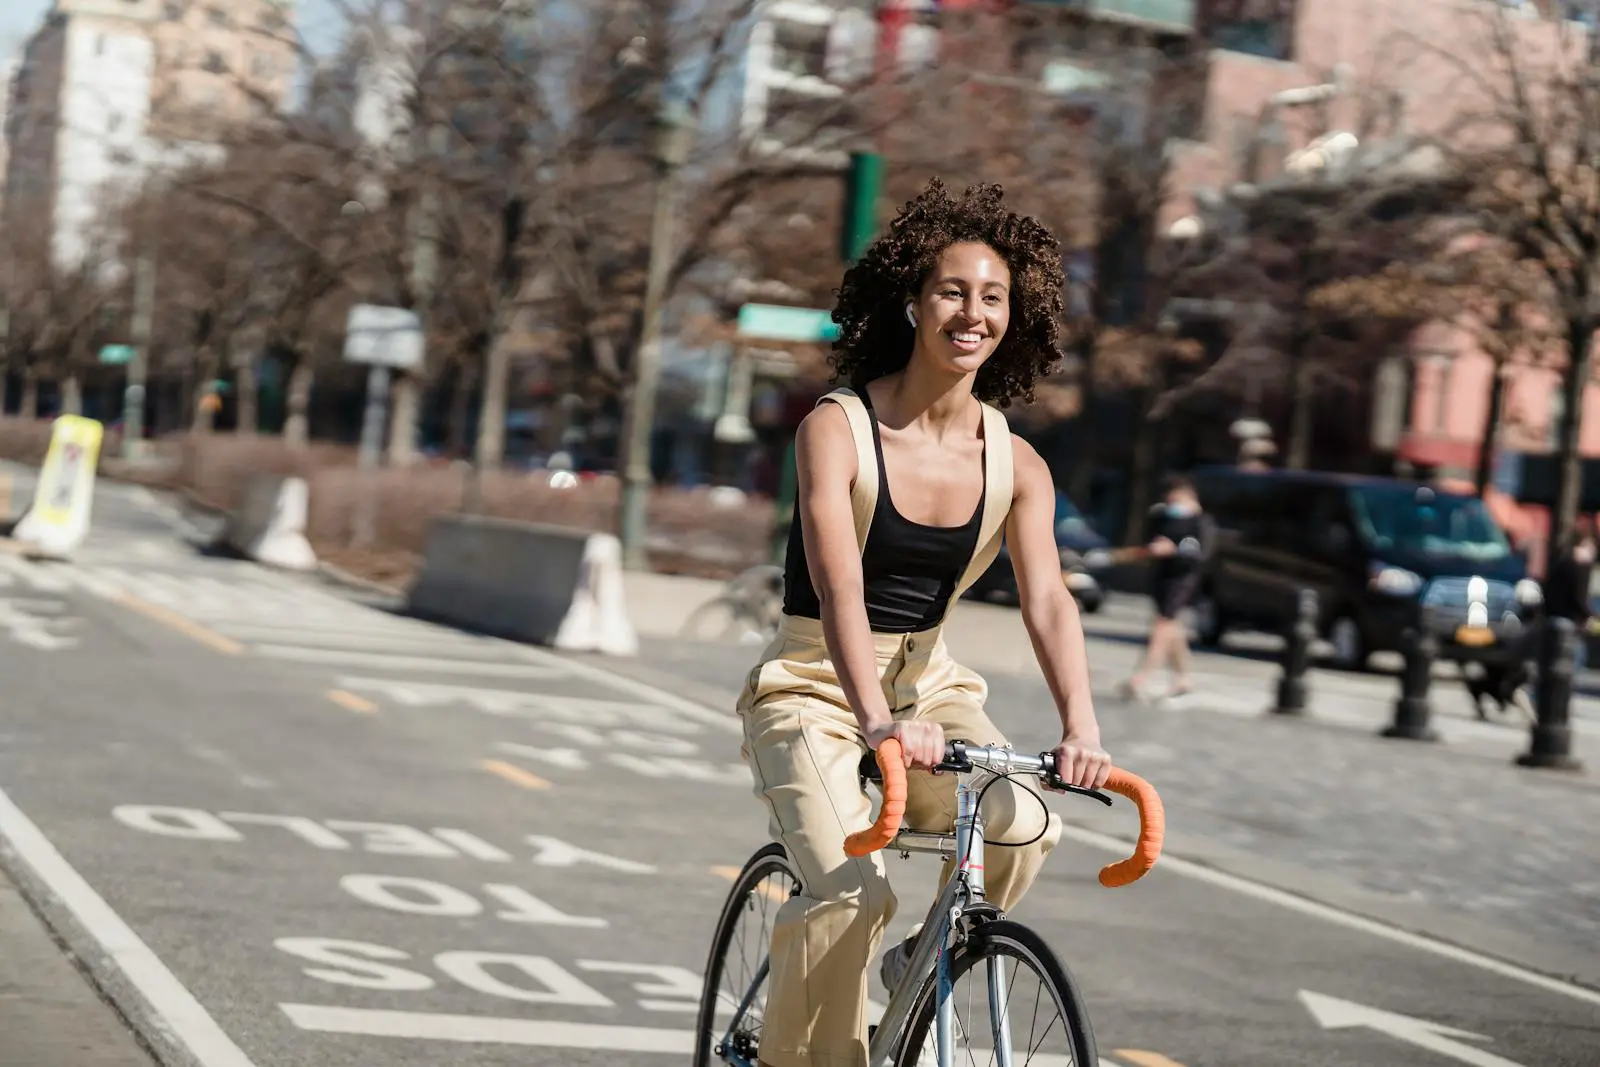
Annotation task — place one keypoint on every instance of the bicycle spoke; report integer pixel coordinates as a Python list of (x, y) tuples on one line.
[(1044, 1027), (733, 1005)]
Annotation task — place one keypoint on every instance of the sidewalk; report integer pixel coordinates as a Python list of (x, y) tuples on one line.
[(50, 1016), (1239, 682)]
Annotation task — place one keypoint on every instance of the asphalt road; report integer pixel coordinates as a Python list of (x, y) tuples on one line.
[(280, 827)]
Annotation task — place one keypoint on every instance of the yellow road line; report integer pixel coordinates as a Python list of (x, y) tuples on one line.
[(350, 702), (766, 889), (514, 774), (1141, 1058), (187, 627)]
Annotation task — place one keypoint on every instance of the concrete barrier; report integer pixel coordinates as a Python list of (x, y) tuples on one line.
[(269, 525), (547, 585)]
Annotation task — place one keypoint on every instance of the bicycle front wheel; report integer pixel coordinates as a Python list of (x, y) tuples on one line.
[(1013, 1004), (733, 1001)]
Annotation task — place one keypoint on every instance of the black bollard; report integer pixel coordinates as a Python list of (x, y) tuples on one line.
[(1412, 710), (1551, 743), (1297, 656)]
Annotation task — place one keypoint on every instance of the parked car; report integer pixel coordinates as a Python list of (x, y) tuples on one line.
[(1380, 553), (1082, 552)]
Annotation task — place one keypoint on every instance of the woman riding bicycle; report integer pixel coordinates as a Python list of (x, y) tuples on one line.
[(907, 481)]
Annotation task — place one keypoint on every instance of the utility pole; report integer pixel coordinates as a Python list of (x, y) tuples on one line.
[(675, 130), (489, 449), (5, 347), (144, 298)]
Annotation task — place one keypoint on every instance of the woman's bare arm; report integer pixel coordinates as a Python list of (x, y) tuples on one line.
[(825, 462), (1051, 616)]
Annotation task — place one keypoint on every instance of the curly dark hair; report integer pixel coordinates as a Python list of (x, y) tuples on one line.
[(875, 338)]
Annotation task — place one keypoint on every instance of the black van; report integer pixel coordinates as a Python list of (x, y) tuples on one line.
[(1379, 553)]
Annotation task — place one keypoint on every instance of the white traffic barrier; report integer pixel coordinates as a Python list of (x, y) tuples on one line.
[(269, 525), (547, 585), (58, 521)]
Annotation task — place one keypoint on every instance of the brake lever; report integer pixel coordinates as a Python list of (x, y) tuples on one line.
[(1058, 783)]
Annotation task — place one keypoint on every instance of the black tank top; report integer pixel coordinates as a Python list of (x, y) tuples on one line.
[(909, 570)]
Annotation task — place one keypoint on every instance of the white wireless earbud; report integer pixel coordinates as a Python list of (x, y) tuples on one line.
[(911, 315)]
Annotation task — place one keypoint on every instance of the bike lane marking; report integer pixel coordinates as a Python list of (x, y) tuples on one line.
[(1200, 872), (1339, 917), (351, 702), (515, 775), (168, 999), (180, 624)]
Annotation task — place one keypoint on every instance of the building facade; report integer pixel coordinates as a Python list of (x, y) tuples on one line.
[(106, 90)]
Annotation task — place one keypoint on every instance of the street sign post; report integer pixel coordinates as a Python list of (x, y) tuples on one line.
[(116, 355), (773, 322), (386, 339)]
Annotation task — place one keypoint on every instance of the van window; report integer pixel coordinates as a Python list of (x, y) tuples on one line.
[(1412, 518), (1248, 507)]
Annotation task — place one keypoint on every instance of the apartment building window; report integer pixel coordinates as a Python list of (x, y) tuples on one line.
[(800, 49), (173, 12), (215, 63), (218, 18), (1253, 28), (804, 120)]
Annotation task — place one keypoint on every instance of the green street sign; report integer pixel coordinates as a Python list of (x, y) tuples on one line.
[(116, 354), (772, 322)]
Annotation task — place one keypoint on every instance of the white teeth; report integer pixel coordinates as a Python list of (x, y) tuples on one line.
[(972, 337)]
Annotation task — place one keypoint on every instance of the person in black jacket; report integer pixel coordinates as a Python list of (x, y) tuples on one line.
[(1179, 537), (1512, 683)]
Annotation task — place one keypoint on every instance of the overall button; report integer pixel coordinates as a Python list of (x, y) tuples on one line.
[(911, 644)]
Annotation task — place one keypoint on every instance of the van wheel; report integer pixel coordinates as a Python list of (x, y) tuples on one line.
[(1349, 644), (1208, 623)]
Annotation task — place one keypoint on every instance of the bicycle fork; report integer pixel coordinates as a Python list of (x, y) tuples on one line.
[(930, 952), (969, 844)]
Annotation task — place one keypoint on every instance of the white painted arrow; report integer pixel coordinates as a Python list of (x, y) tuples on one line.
[(1332, 1013)]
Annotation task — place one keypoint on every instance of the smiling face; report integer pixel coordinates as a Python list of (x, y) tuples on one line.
[(964, 307)]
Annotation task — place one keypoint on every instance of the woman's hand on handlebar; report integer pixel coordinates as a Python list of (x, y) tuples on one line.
[(1082, 763), (922, 743)]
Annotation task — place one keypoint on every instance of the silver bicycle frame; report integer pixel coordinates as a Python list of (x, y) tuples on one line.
[(964, 888), (960, 892)]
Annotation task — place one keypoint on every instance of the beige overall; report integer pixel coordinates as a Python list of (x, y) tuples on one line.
[(804, 745)]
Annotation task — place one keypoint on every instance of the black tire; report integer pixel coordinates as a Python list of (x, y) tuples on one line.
[(770, 860), (1003, 937)]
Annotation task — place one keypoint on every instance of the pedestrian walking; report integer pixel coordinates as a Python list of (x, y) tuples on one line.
[(1512, 683), (1178, 539)]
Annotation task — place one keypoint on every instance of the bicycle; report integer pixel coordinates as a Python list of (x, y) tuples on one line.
[(747, 609), (961, 929)]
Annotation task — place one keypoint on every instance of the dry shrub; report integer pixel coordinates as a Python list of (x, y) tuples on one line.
[(214, 468), (688, 533), (28, 441), (24, 440)]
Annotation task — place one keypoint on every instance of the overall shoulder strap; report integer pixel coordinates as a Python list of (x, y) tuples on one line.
[(998, 479), (864, 490)]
